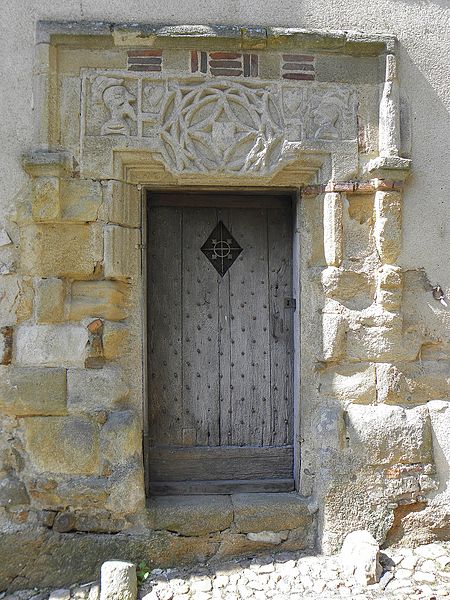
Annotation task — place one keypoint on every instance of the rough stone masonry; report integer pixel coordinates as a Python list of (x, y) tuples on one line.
[(372, 406)]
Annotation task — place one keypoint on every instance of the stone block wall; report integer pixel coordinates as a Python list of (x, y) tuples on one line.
[(372, 399)]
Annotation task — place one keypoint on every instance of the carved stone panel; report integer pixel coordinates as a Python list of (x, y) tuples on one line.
[(220, 125)]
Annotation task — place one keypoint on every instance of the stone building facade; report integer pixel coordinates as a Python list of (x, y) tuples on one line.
[(329, 115)]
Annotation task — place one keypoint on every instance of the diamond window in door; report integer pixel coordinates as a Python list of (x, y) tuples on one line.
[(221, 249)]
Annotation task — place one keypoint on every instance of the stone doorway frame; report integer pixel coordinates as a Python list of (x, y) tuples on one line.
[(317, 175)]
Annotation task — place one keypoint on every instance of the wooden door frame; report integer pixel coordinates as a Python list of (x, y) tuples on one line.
[(294, 194)]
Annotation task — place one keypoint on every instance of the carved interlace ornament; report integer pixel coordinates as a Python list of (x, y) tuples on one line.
[(219, 126)]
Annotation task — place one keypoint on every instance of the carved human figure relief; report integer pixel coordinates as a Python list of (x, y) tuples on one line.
[(325, 118), (118, 100)]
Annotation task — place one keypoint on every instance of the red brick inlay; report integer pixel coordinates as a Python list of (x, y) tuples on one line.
[(144, 60), (224, 64), (298, 67)]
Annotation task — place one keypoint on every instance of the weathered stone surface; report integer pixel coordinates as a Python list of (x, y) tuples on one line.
[(76, 491), (269, 512), (360, 557), (350, 383), (389, 434), (121, 252), (268, 537), (105, 299), (413, 383), (12, 492), (343, 284), (49, 300), (90, 390), (192, 515), (16, 299), (127, 493), (62, 444), (388, 225), (114, 339), (81, 250), (62, 594), (238, 544), (6, 344), (31, 391), (80, 200), (118, 581), (389, 287), (45, 204), (121, 436), (332, 229), (381, 338), (55, 559), (334, 330), (51, 345)]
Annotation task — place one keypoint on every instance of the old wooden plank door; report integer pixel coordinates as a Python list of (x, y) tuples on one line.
[(220, 343)]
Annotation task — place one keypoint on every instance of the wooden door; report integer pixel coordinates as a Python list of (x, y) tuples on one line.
[(220, 324)]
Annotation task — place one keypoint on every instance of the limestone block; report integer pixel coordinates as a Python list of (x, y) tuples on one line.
[(80, 200), (382, 339), (332, 229), (269, 512), (49, 300), (385, 434), (118, 581), (75, 491), (121, 259), (344, 285), (61, 250), (90, 390), (360, 558), (67, 445), (16, 295), (114, 339), (350, 383), (334, 331), (105, 299), (329, 425), (440, 422), (121, 437), (192, 515), (51, 345), (388, 225), (12, 492), (413, 383), (127, 495), (45, 203), (389, 287), (32, 391), (124, 205)]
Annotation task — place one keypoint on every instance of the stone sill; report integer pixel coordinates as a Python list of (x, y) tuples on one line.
[(248, 513)]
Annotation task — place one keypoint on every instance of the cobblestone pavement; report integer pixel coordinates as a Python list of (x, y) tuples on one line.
[(419, 574)]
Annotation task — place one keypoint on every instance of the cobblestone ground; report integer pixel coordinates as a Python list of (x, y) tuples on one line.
[(419, 574)]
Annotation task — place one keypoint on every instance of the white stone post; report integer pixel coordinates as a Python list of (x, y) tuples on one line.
[(118, 581), (389, 123), (332, 229)]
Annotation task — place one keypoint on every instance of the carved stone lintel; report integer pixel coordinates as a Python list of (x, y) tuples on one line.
[(220, 125)]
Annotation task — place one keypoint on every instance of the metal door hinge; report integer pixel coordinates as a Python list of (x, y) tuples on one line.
[(290, 303)]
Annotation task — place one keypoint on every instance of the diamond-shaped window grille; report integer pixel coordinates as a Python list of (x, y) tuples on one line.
[(221, 249)]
